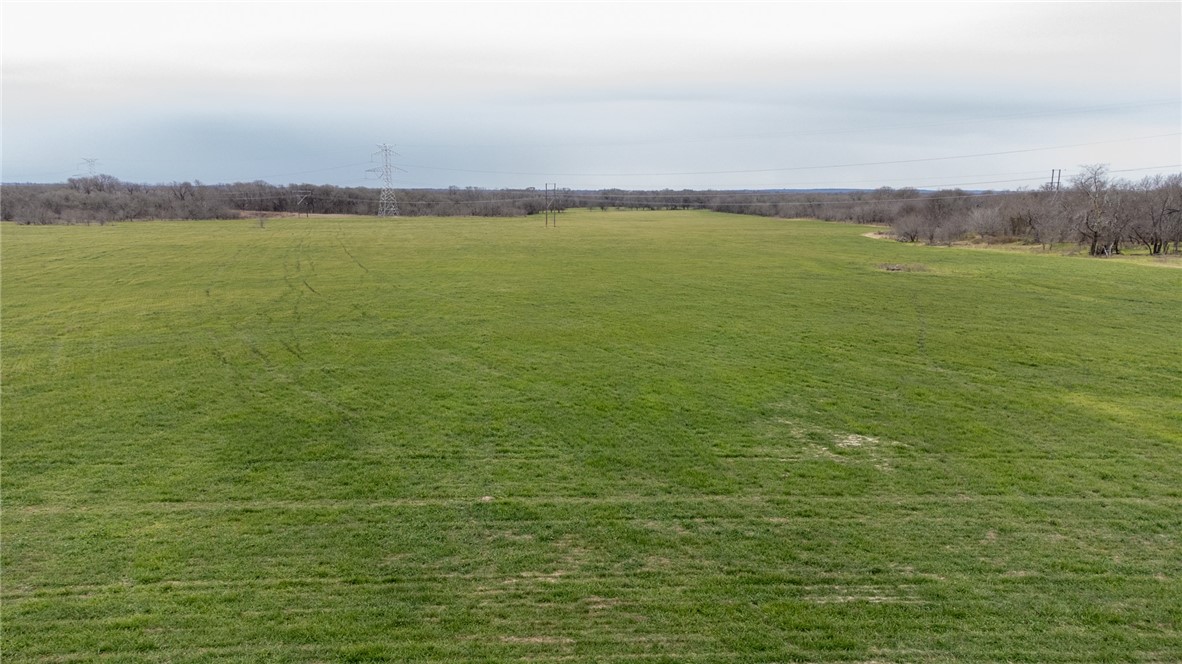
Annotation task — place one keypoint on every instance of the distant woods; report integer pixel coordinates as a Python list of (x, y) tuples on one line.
[(103, 199), (1103, 214)]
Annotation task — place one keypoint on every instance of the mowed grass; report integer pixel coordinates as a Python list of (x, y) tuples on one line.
[(660, 436)]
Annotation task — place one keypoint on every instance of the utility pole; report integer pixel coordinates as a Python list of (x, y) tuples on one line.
[(90, 162), (1056, 179), (551, 195), (304, 195), (388, 204)]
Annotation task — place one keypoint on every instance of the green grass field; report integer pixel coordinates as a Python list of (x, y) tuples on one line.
[(660, 436)]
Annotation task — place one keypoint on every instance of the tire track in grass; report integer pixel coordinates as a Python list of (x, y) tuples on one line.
[(294, 262), (289, 277), (218, 349), (340, 240), (242, 374)]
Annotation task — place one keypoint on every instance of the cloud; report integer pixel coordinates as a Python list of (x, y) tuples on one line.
[(576, 87)]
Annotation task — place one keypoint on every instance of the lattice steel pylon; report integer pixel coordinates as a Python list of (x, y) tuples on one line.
[(388, 203)]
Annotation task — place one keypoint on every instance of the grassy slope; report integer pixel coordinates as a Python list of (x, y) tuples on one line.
[(681, 436)]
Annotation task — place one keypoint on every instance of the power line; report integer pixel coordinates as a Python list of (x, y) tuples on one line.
[(824, 132), (1035, 176), (551, 193), (316, 170), (805, 168), (860, 201), (91, 163)]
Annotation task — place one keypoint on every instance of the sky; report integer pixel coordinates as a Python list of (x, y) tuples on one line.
[(591, 95)]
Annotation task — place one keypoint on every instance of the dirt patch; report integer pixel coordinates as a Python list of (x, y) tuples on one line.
[(902, 267), (836, 446), (596, 603), (545, 577), (257, 214), (867, 594), (855, 440)]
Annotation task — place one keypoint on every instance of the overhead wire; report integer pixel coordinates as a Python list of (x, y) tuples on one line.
[(819, 132), (801, 168), (669, 197), (1069, 111), (763, 190)]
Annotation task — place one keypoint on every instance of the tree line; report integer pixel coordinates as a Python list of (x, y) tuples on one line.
[(1104, 214), (101, 199)]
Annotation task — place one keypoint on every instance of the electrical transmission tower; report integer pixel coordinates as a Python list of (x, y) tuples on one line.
[(90, 162), (388, 205)]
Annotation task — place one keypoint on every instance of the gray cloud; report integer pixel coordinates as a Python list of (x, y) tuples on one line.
[(502, 94)]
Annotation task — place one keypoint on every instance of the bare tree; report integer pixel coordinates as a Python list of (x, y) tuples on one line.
[(1093, 215), (181, 190), (1158, 222), (907, 227)]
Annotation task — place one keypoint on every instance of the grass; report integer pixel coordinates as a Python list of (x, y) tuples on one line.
[(677, 436)]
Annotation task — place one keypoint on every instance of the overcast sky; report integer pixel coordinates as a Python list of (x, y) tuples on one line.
[(594, 94)]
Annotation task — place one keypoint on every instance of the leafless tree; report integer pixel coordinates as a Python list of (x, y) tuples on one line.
[(181, 190), (1158, 222), (1092, 218)]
